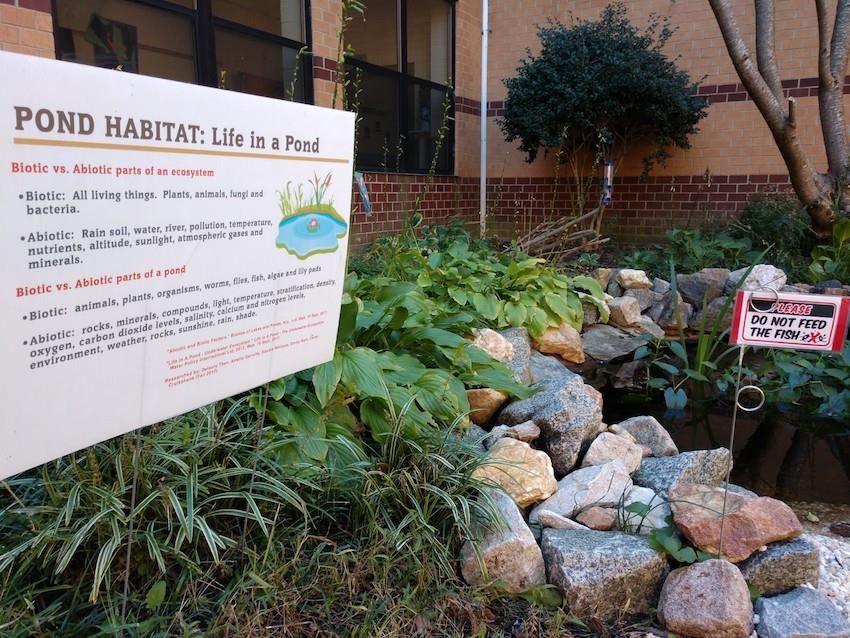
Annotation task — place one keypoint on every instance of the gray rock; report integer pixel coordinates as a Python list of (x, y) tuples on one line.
[(762, 277), (800, 613), (737, 489), (519, 339), (647, 431), (647, 326), (625, 375), (476, 436), (646, 297), (603, 575), (704, 467), (781, 567), (568, 413), (604, 343), (706, 600), (703, 286), (591, 314), (669, 309), (613, 288), (545, 368), (598, 485), (510, 555), (661, 286), (713, 313), (547, 518), (526, 432), (822, 286)]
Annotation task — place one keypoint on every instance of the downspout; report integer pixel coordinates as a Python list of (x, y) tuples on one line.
[(485, 36)]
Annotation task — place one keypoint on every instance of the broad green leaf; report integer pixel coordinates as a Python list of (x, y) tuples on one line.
[(360, 372), (459, 295), (679, 350), (326, 378), (486, 305), (515, 313), (156, 595)]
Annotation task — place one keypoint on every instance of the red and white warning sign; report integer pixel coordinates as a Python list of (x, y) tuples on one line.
[(790, 320)]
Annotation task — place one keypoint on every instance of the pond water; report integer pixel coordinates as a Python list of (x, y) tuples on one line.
[(784, 453), (309, 233)]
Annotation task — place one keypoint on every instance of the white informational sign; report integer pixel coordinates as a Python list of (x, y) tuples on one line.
[(163, 246), (790, 320)]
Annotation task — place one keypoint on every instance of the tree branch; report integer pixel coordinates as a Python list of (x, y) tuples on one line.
[(766, 46), (832, 67)]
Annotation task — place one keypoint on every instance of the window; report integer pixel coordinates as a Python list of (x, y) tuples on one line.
[(251, 46), (403, 61)]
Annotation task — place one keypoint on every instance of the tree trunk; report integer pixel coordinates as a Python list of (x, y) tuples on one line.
[(819, 192)]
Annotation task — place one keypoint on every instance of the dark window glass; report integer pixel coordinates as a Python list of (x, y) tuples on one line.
[(278, 17), (119, 34), (378, 142), (251, 65), (425, 114)]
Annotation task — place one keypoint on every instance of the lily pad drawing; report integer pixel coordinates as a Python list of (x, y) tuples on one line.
[(310, 225)]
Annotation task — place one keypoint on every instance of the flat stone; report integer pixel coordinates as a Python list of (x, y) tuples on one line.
[(484, 403), (763, 277), (750, 522), (706, 600), (800, 613), (526, 432), (646, 297), (655, 518), (603, 575), (601, 519), (629, 278), (702, 287), (661, 286), (647, 326), (609, 447), (511, 555), (564, 341), (782, 566), (569, 414), (598, 485), (625, 312), (493, 344), (521, 344), (705, 467), (605, 343), (547, 518), (521, 471), (647, 431)]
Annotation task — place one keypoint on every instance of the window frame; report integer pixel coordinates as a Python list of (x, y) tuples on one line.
[(204, 24), (405, 82)]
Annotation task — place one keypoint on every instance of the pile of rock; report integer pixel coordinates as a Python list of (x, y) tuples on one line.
[(568, 486)]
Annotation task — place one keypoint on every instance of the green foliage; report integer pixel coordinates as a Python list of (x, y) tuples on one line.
[(668, 540), (693, 250), (779, 225), (832, 261), (601, 83)]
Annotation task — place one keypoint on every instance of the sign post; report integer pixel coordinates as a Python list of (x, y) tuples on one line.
[(164, 246)]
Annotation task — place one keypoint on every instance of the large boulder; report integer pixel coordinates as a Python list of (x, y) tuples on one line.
[(510, 555), (750, 522), (763, 277), (521, 471), (603, 575), (782, 566), (706, 600), (568, 412), (647, 431), (706, 467), (628, 279), (625, 312), (564, 341), (655, 512), (599, 485), (605, 343), (800, 613), (493, 344), (609, 447), (702, 287), (520, 344), (484, 403)]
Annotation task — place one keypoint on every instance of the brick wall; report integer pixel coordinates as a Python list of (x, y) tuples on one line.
[(26, 26), (394, 197)]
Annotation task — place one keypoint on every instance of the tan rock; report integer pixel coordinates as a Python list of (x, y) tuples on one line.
[(603, 276), (620, 431), (602, 485), (599, 518), (625, 312), (510, 555), (564, 341), (751, 522), (493, 344), (526, 432), (524, 473), (484, 403), (548, 518), (628, 279), (706, 600), (609, 447)]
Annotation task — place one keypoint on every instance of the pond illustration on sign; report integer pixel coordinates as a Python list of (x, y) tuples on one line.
[(310, 225)]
